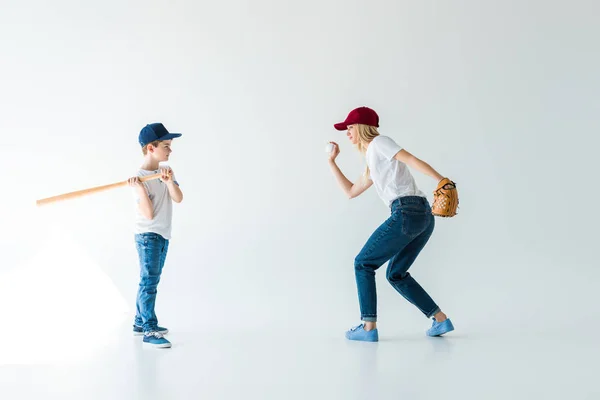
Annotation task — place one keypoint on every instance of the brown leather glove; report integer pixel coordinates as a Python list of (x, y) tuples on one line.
[(445, 199)]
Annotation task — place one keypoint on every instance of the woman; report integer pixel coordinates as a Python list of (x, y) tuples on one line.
[(402, 236)]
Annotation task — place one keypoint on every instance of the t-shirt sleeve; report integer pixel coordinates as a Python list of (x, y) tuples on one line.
[(387, 147)]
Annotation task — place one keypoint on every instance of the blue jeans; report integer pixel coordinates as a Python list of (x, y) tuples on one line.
[(152, 251), (398, 240)]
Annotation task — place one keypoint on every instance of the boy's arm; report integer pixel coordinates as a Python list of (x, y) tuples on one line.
[(174, 190), (144, 204)]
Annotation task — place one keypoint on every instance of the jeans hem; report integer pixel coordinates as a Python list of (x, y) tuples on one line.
[(369, 319), (432, 313)]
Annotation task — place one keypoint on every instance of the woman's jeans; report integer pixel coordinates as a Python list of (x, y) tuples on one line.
[(152, 251), (399, 239)]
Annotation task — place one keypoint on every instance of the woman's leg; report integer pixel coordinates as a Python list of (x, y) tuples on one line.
[(383, 244), (401, 280)]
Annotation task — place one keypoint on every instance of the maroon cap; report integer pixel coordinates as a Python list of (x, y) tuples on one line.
[(360, 115)]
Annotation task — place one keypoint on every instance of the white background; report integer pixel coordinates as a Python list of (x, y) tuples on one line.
[(501, 96)]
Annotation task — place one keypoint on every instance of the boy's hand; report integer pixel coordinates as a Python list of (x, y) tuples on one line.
[(174, 191), (135, 181), (166, 174)]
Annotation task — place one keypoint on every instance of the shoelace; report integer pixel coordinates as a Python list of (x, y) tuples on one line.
[(156, 334)]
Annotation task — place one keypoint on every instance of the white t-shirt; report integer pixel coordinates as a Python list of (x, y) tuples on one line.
[(162, 206), (392, 179)]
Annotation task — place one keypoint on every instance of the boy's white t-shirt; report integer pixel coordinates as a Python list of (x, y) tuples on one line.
[(162, 206), (392, 179)]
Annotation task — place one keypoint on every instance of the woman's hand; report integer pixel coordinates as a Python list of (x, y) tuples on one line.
[(335, 152)]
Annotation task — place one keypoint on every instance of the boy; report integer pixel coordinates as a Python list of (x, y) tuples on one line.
[(153, 213)]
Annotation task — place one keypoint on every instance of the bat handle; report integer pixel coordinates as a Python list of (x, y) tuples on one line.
[(89, 191), (149, 177)]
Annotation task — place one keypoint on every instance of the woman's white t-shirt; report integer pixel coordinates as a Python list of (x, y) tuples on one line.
[(392, 179)]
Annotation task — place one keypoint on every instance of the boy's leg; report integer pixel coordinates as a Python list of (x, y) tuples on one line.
[(150, 248), (137, 322), (163, 257), (139, 241)]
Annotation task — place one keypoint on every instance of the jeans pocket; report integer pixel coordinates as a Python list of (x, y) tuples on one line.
[(414, 222), (150, 239), (147, 238)]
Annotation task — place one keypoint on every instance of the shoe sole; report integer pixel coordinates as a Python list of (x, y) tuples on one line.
[(363, 340), (440, 334), (158, 346)]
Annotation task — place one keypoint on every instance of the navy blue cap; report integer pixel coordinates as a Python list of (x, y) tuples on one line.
[(153, 132)]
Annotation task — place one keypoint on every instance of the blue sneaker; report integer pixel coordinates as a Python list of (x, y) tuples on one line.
[(359, 333), (156, 339), (138, 331), (439, 328)]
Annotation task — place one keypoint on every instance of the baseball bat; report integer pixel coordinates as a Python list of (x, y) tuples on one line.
[(84, 192)]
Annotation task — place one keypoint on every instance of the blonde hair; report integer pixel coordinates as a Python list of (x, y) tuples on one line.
[(365, 134), (154, 144)]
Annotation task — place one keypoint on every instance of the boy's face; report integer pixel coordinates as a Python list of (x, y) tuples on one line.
[(162, 151)]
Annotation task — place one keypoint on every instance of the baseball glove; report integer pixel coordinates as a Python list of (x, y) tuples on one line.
[(445, 199)]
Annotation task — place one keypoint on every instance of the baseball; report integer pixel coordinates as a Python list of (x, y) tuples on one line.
[(329, 148)]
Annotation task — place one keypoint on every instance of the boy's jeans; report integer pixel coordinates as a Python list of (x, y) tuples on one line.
[(399, 239), (152, 251)]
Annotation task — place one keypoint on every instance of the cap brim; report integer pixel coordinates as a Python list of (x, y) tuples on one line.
[(342, 126), (170, 136)]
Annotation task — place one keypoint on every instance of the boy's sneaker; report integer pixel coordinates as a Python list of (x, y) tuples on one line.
[(156, 339), (439, 328), (359, 333), (138, 331)]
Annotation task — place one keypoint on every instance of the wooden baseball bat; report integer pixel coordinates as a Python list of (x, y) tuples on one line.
[(96, 189)]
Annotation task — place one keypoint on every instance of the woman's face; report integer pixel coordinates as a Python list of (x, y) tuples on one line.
[(352, 134)]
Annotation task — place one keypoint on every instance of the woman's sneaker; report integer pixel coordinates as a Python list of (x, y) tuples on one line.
[(439, 328), (359, 333), (156, 339)]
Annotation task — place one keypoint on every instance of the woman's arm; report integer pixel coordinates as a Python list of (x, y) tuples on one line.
[(420, 165), (351, 190)]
